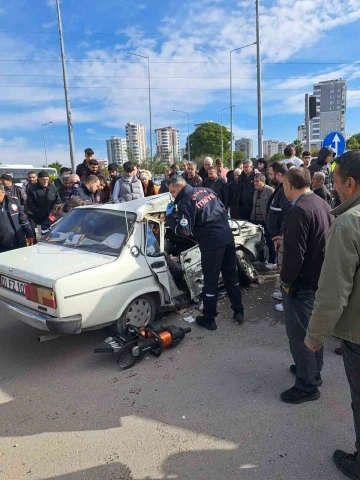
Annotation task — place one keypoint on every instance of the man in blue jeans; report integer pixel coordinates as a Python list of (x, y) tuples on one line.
[(304, 241)]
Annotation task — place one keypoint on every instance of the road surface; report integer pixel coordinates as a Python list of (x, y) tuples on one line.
[(207, 410)]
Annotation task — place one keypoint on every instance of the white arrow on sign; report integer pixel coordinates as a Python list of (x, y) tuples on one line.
[(336, 141)]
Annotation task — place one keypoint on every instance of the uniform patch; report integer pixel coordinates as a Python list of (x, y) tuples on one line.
[(14, 207), (184, 222)]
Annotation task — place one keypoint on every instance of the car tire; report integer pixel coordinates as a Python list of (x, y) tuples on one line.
[(140, 312), (246, 271)]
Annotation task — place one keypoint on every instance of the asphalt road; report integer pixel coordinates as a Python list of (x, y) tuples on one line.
[(207, 410)]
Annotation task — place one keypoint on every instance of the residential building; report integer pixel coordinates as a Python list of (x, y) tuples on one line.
[(301, 132), (270, 148), (136, 140), (168, 144), (103, 163), (331, 109), (117, 150), (281, 147), (245, 145)]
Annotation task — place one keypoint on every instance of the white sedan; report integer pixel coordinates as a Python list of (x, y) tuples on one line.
[(109, 265)]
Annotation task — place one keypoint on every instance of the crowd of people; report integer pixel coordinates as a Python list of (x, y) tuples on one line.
[(316, 249)]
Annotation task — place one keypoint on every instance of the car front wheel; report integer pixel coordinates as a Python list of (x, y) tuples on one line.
[(246, 270), (140, 312)]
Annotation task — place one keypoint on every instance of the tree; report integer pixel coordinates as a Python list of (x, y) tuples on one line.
[(276, 158), (55, 165), (154, 165), (239, 155), (299, 147), (207, 138), (315, 152), (354, 142)]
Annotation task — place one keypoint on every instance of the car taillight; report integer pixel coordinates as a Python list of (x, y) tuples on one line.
[(43, 296)]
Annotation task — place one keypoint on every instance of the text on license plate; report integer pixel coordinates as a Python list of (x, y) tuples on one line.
[(11, 284)]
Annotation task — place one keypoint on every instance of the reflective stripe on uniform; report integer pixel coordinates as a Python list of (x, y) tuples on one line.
[(275, 209)]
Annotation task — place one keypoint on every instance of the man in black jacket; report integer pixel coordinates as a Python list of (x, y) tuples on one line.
[(305, 233), (14, 224), (246, 190), (323, 164), (319, 188), (42, 197), (88, 191), (218, 185), (203, 172), (201, 215), (13, 191), (81, 169)]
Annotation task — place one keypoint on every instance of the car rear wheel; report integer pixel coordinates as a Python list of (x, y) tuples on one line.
[(140, 312), (246, 270)]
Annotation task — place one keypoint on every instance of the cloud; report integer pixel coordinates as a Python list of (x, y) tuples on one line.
[(50, 3), (49, 25)]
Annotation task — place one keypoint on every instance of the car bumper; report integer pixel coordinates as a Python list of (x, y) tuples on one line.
[(63, 326)]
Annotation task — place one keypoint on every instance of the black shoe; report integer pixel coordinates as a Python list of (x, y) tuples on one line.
[(338, 351), (294, 395), (318, 379), (347, 464), (206, 322), (239, 317)]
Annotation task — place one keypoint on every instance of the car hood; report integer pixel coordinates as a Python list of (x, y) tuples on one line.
[(43, 264)]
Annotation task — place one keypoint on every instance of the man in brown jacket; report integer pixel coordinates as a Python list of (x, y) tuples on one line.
[(337, 306)]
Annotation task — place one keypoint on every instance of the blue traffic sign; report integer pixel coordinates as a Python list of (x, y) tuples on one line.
[(335, 140)]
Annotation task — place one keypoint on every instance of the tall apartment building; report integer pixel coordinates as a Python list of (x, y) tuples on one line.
[(281, 147), (136, 140), (117, 150), (245, 145), (301, 132), (168, 144), (331, 109), (270, 148)]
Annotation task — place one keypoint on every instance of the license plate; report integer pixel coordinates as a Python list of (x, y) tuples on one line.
[(13, 285)]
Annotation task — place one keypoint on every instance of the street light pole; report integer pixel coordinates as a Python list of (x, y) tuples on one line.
[(43, 135), (259, 89), (188, 114), (222, 143), (66, 89), (149, 89), (231, 100)]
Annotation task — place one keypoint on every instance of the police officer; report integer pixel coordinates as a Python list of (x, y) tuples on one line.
[(202, 215), (88, 191), (14, 225)]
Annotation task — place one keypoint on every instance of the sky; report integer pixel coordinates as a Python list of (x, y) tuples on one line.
[(188, 43)]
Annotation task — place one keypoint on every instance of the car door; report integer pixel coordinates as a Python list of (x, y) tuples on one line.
[(190, 261), (155, 257)]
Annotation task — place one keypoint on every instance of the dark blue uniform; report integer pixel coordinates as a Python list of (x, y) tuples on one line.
[(14, 225), (84, 193), (201, 215)]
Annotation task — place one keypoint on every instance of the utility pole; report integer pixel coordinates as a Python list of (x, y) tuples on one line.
[(66, 89), (231, 103), (259, 89), (44, 141)]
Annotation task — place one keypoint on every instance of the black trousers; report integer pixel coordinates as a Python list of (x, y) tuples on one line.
[(213, 262), (298, 307), (351, 356)]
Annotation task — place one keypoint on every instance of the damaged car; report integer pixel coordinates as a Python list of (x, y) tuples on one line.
[(111, 265)]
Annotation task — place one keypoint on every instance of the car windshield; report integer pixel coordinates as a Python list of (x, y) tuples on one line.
[(94, 230)]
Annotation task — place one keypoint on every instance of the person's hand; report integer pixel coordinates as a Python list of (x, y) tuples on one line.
[(170, 209), (311, 348), (286, 289), (277, 241), (31, 241)]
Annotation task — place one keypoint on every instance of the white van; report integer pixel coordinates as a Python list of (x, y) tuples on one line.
[(109, 265)]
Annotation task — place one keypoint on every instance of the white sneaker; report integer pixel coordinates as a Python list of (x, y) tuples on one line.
[(271, 266), (279, 307), (277, 295)]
